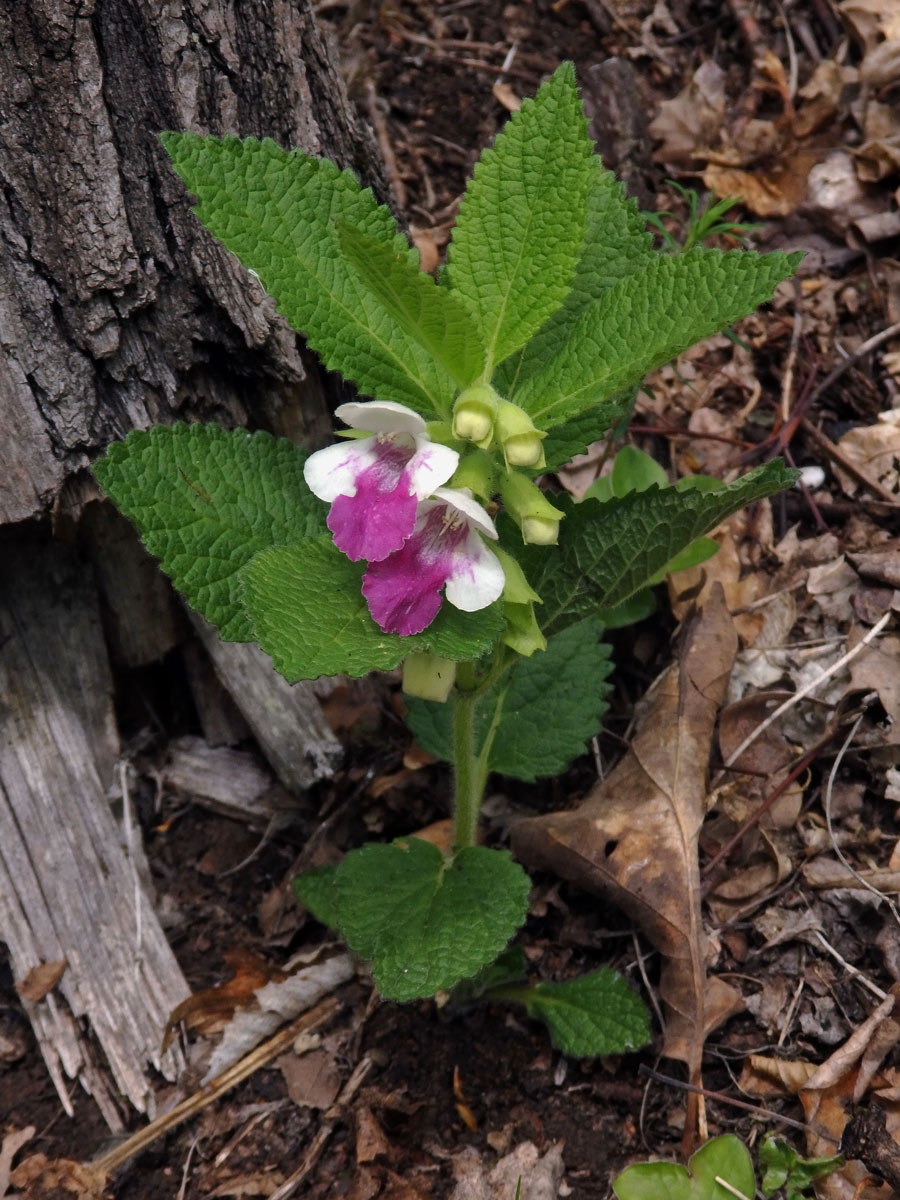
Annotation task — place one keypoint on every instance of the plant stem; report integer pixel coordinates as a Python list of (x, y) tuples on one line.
[(472, 768), (467, 799)]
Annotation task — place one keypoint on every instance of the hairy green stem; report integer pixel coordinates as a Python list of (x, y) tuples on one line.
[(471, 767), (467, 798)]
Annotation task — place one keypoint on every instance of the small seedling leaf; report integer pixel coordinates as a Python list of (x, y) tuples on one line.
[(598, 1013), (725, 1157), (426, 923), (205, 500), (784, 1168)]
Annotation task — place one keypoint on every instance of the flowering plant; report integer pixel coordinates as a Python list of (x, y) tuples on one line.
[(441, 547)]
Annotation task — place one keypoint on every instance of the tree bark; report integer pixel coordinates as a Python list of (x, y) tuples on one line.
[(118, 311)]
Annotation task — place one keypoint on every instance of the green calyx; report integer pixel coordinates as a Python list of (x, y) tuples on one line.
[(474, 413), (531, 510), (477, 473), (522, 633), (518, 437), (428, 676)]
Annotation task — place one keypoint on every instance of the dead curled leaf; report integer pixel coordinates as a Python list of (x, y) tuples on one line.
[(634, 839), (41, 980)]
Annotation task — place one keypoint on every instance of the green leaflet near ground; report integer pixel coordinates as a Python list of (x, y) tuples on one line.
[(645, 320), (205, 500), (724, 1157), (276, 210), (424, 923), (315, 890), (309, 614), (533, 739), (597, 1013), (616, 245), (609, 551), (521, 223)]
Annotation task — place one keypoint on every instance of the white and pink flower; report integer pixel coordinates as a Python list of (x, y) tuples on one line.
[(403, 590), (375, 484)]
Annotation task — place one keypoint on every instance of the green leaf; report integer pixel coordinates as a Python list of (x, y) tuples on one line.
[(574, 436), (315, 890), (594, 1014), (693, 555), (309, 614), (784, 1168), (423, 922), (608, 552), (205, 500), (533, 739), (726, 1157), (521, 223), (636, 608), (429, 314), (644, 321), (276, 210), (616, 244), (509, 968)]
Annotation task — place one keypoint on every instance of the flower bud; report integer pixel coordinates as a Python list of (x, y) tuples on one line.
[(474, 413), (531, 510), (428, 676), (517, 435), (540, 531)]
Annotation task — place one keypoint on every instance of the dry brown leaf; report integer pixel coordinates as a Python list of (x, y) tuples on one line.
[(313, 1080), (507, 96), (257, 1183), (877, 669), (772, 192), (874, 450), (210, 1010), (540, 1175), (634, 839), (693, 118), (40, 980), (43, 1178), (763, 1076), (370, 1140), (723, 568), (10, 1146), (872, 20)]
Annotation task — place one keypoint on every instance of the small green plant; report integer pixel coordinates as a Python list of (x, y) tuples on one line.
[(720, 1170), (424, 535), (700, 224), (784, 1168)]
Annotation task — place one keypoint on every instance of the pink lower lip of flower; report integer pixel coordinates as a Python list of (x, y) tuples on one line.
[(381, 515), (403, 591)]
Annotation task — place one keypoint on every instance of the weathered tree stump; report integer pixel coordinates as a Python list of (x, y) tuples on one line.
[(118, 311)]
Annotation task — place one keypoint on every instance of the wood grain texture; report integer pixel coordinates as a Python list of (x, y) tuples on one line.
[(286, 719), (69, 888)]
